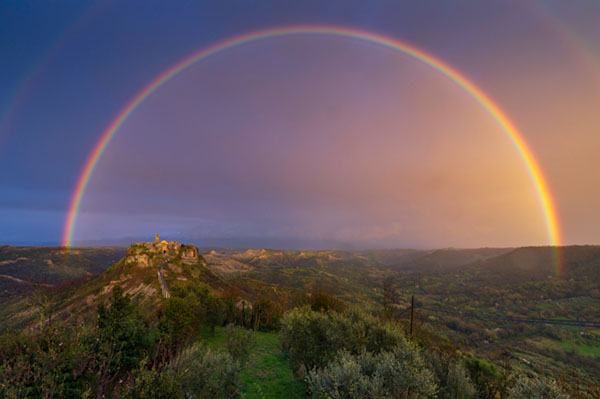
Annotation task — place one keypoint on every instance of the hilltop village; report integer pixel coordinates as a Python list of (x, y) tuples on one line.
[(152, 253)]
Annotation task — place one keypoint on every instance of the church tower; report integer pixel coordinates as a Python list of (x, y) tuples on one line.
[(156, 238)]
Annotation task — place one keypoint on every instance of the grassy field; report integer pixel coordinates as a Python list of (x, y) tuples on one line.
[(267, 373), (582, 349)]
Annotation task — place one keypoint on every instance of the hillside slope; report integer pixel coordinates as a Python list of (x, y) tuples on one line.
[(23, 269)]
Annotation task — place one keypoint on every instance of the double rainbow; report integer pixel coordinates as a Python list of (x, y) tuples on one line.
[(535, 173)]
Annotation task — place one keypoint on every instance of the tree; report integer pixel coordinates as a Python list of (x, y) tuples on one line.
[(266, 314), (122, 332), (322, 302), (178, 321), (215, 312)]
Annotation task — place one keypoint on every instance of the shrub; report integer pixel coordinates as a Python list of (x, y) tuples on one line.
[(358, 331), (535, 388), (451, 376), (195, 373), (306, 338), (343, 378), (400, 373), (154, 384), (206, 374), (489, 381), (51, 363), (311, 339), (322, 302), (239, 342)]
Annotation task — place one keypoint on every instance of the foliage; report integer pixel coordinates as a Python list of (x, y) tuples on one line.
[(191, 305), (179, 320), (451, 376), (122, 333), (306, 338), (395, 374), (489, 381), (322, 302), (535, 388), (195, 373), (154, 383), (215, 312), (239, 342), (207, 374), (311, 339), (52, 363), (266, 314)]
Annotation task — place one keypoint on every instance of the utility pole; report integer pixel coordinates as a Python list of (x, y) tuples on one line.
[(412, 313)]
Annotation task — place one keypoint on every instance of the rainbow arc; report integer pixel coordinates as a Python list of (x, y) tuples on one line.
[(536, 176)]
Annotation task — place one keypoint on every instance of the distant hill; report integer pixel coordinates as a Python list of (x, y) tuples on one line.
[(25, 268), (437, 260)]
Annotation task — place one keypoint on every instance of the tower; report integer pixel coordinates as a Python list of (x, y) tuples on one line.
[(156, 238)]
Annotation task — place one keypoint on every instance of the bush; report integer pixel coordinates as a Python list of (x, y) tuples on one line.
[(400, 373), (306, 337), (323, 302), (239, 342), (489, 381), (206, 374), (451, 376), (311, 339), (535, 388), (51, 363), (195, 373), (343, 378), (154, 384)]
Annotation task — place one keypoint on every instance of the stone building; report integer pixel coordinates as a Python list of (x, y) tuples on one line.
[(142, 252)]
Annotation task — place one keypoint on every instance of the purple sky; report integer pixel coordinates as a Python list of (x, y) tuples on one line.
[(298, 141)]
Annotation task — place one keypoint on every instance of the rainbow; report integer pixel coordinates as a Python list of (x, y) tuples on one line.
[(527, 157)]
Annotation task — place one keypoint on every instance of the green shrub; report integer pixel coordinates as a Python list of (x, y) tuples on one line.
[(154, 384), (535, 388), (51, 363), (195, 373), (489, 381), (306, 337), (206, 374), (239, 342), (323, 302), (451, 376), (311, 339), (400, 373)]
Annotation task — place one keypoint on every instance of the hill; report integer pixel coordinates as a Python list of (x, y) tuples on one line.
[(464, 298), (23, 269)]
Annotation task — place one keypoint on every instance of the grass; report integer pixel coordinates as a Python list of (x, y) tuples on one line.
[(266, 374), (586, 350)]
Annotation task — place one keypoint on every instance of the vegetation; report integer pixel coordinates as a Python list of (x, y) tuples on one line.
[(286, 327)]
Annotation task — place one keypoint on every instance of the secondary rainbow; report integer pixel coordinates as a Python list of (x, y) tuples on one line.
[(541, 187)]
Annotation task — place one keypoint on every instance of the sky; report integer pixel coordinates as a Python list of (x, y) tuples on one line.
[(303, 141)]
